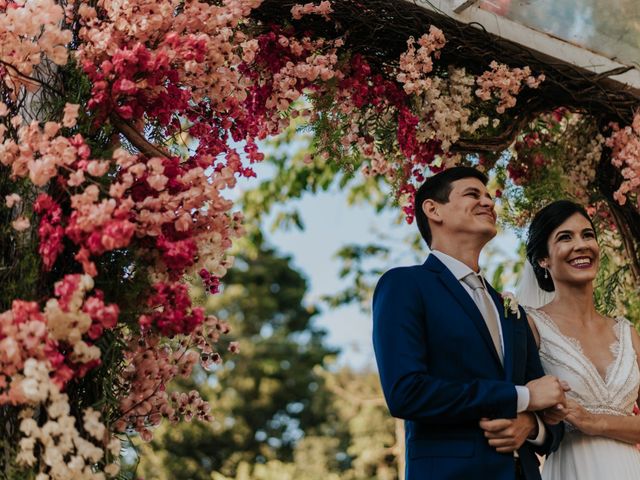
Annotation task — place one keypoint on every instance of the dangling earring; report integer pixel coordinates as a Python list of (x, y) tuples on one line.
[(546, 273)]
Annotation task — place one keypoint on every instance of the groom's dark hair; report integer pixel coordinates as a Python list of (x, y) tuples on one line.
[(438, 188)]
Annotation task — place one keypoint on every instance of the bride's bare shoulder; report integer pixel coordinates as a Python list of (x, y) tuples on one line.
[(531, 313)]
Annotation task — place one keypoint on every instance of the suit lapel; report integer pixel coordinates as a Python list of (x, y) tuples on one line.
[(506, 322), (462, 297)]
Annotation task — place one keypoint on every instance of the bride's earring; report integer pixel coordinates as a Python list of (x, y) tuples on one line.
[(546, 272)]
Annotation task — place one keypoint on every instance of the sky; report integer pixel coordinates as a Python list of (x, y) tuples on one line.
[(330, 222)]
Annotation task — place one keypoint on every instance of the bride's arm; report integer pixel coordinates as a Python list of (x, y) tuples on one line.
[(534, 330), (618, 427), (623, 428)]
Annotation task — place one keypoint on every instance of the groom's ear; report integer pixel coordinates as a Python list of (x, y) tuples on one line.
[(430, 209)]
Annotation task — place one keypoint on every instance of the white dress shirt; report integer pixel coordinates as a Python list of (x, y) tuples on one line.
[(460, 270)]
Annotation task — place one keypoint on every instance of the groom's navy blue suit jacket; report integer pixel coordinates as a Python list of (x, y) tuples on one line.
[(441, 373)]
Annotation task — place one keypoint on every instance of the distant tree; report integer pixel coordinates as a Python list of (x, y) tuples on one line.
[(358, 441), (268, 397)]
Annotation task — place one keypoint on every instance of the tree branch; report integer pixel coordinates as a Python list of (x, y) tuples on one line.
[(136, 138)]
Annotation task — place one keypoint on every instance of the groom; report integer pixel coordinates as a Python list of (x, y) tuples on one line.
[(461, 369)]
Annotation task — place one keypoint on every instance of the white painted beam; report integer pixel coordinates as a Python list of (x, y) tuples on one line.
[(461, 5)]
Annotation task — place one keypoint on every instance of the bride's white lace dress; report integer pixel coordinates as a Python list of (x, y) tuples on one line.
[(584, 457)]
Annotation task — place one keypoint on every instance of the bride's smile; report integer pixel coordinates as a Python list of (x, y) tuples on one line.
[(573, 252)]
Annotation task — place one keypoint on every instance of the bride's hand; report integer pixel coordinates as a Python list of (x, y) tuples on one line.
[(554, 415), (581, 418)]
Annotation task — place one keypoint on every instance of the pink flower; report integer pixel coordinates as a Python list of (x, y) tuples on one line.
[(50, 231), (70, 115), (12, 200), (20, 224), (505, 83), (323, 9), (117, 234), (177, 255), (172, 311)]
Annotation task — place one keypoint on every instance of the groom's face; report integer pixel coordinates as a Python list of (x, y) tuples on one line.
[(469, 211)]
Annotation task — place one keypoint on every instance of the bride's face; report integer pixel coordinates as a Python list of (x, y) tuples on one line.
[(574, 253)]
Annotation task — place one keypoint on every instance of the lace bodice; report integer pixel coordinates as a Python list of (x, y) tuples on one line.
[(563, 357)]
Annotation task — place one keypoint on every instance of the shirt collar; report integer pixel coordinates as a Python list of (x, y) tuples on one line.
[(455, 266)]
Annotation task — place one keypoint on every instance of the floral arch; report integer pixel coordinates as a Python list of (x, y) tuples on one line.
[(123, 125)]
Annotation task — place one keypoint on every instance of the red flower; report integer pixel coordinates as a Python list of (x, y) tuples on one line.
[(50, 230)]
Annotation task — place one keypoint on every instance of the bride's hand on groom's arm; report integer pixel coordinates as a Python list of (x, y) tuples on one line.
[(624, 428), (508, 434), (581, 418)]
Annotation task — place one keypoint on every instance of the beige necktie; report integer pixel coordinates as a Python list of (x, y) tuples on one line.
[(485, 305)]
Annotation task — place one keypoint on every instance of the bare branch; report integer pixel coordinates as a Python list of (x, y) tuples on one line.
[(136, 138)]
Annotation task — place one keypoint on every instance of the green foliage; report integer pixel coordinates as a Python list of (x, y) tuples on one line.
[(19, 259), (267, 397), (361, 265), (295, 171)]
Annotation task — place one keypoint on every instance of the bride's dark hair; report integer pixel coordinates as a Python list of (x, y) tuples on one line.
[(545, 222)]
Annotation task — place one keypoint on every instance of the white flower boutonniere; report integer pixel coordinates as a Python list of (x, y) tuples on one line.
[(510, 303)]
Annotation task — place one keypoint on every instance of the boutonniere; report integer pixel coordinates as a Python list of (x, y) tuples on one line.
[(510, 303)]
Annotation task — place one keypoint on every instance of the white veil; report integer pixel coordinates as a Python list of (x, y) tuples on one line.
[(528, 292)]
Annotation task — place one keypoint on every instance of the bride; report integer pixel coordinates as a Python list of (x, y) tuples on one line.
[(596, 355)]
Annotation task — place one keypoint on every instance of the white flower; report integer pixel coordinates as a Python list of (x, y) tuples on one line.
[(510, 303), (25, 455), (58, 408), (112, 469), (29, 426), (52, 456), (92, 423), (114, 446), (88, 450), (32, 390)]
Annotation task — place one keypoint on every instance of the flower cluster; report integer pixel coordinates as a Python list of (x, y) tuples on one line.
[(65, 454), (444, 110), (504, 83), (50, 231), (323, 9), (152, 363), (31, 33), (42, 153), (510, 304), (625, 154), (172, 312), (416, 65), (60, 337), (41, 352)]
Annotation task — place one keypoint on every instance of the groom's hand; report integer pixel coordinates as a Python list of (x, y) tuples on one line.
[(546, 392), (508, 435)]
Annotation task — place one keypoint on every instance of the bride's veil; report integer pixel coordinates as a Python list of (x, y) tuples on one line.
[(528, 292)]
